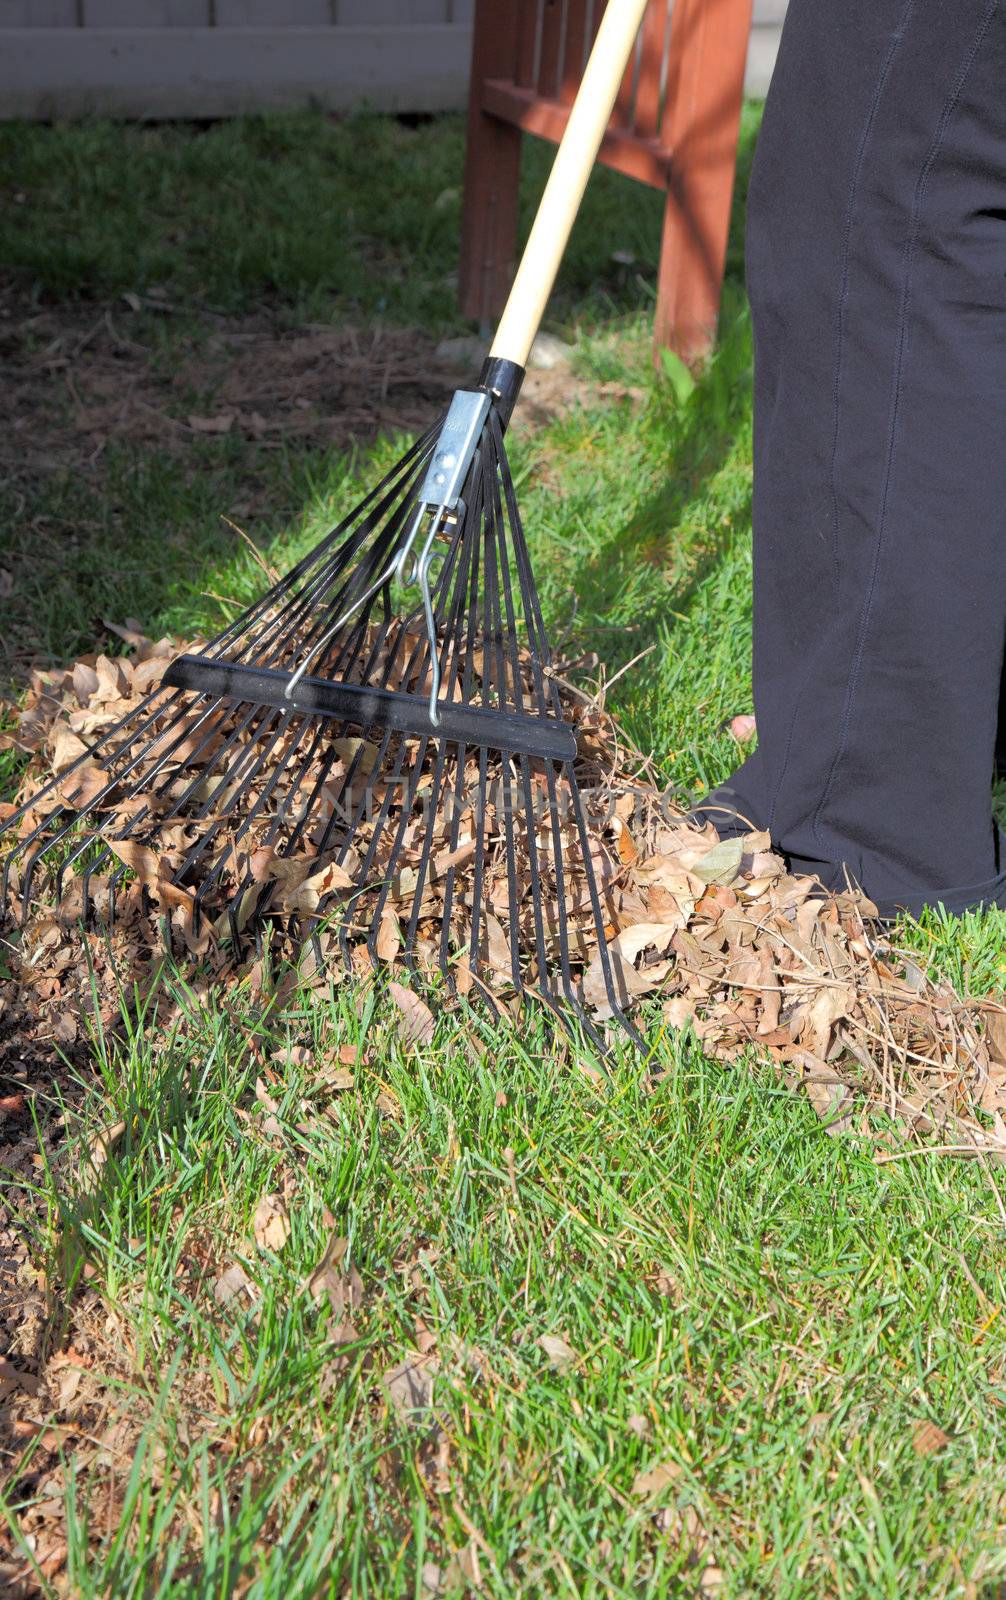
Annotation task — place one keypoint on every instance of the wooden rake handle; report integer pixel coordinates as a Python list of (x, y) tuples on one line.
[(574, 159)]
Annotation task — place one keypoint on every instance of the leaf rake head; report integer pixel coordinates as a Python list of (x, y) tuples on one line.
[(393, 783)]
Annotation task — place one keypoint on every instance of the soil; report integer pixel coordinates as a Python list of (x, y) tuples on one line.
[(76, 379)]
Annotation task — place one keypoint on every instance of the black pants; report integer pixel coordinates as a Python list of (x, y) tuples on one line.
[(877, 275)]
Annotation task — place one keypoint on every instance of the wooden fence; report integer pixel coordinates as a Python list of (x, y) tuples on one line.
[(212, 58)]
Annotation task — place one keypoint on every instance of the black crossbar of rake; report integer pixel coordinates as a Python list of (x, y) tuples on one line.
[(366, 706)]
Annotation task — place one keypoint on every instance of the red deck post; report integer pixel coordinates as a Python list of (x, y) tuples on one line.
[(701, 121), (674, 127), (492, 163)]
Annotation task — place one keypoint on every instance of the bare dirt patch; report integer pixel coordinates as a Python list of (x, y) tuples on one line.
[(78, 378)]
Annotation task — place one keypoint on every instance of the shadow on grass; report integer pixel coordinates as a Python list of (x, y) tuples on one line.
[(670, 538)]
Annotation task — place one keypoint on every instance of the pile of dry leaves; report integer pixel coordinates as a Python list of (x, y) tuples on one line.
[(707, 933)]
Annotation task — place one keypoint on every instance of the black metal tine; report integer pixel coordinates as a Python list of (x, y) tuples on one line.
[(505, 585), (280, 630), (146, 781), (449, 661), (502, 475), (356, 635), (538, 652), (283, 585), (492, 587), (34, 861), (199, 849), (541, 655), (615, 1001), (462, 668), (129, 833), (53, 784), (303, 609)]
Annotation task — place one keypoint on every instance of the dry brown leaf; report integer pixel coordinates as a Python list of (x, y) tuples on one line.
[(928, 1437), (12, 1378), (302, 890), (294, 1055), (389, 937), (111, 680), (146, 674), (679, 1011), (223, 422), (360, 751), (343, 1290), (465, 1569), (82, 787), (85, 681), (721, 864), (831, 1003), (416, 1025), (65, 1028), (655, 1479), (271, 1223), (624, 950), (830, 1096), (561, 1354), (665, 1284), (995, 1033), (496, 947), (409, 1384), (230, 1284), (338, 1078), (66, 749), (99, 1148), (140, 858)]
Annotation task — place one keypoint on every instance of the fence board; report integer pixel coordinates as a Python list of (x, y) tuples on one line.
[(362, 12), (145, 13), (222, 72), (401, 55), (273, 13), (38, 13)]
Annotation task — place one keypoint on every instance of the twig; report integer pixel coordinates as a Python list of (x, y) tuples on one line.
[(270, 572)]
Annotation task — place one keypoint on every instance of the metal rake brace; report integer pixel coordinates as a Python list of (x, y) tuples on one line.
[(379, 775)]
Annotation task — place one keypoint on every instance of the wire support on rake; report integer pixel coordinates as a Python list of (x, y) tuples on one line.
[(343, 812)]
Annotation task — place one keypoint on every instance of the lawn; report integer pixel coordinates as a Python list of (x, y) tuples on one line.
[(315, 1313)]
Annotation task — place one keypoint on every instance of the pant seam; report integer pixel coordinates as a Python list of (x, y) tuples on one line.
[(901, 346)]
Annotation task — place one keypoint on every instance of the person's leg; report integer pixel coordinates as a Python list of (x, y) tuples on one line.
[(877, 270)]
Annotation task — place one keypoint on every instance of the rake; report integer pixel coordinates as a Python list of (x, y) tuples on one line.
[(375, 753)]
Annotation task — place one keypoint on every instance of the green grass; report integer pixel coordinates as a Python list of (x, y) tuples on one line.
[(817, 1305), (781, 1312), (357, 218)]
